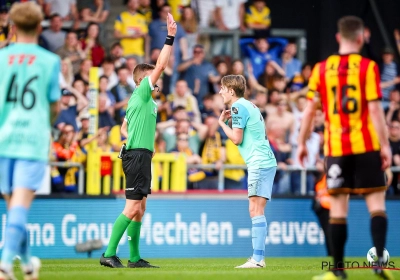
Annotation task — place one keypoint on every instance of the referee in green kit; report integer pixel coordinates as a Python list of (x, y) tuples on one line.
[(139, 127)]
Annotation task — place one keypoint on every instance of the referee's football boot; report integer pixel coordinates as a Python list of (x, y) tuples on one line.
[(113, 262), (331, 275), (141, 264)]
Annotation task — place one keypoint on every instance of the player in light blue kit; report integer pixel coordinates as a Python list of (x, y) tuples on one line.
[(248, 133), (29, 93)]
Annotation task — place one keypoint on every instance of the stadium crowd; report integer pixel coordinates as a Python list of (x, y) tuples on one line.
[(188, 103)]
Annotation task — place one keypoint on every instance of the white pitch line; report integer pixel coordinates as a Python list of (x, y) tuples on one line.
[(244, 232)]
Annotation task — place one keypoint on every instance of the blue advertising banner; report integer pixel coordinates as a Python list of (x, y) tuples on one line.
[(195, 228)]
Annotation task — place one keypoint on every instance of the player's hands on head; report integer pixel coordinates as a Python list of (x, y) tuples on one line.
[(225, 115), (302, 154), (171, 25), (386, 157)]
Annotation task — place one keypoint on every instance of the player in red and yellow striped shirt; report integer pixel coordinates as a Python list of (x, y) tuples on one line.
[(356, 139), (345, 85)]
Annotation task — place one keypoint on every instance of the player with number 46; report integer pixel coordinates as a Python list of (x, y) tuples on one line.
[(29, 94)]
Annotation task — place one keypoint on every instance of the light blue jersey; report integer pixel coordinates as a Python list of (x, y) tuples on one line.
[(255, 148), (28, 84)]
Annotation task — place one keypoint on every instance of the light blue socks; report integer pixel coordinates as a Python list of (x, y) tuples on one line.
[(25, 253), (15, 237), (259, 233)]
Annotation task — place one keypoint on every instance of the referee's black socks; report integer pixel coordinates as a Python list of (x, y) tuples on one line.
[(379, 225), (338, 234)]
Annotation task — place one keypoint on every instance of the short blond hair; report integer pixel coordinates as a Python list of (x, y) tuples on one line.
[(27, 17), (235, 82), (140, 69), (350, 27)]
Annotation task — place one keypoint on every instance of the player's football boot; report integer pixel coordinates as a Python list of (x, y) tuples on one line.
[(383, 274), (252, 263), (32, 272), (7, 275), (330, 275), (113, 262), (141, 264)]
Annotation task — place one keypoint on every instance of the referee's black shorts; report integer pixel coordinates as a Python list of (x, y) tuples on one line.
[(136, 164)]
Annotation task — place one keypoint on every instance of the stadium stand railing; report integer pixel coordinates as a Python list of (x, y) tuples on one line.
[(168, 171), (81, 172), (169, 174), (67, 25), (224, 167)]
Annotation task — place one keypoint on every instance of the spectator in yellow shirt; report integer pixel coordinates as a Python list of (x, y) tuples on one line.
[(145, 10), (177, 6), (115, 138), (233, 177), (258, 17), (131, 28)]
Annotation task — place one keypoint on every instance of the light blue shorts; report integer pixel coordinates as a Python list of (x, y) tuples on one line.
[(260, 182), (20, 173)]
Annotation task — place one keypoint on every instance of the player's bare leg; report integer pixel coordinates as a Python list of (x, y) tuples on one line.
[(7, 198), (27, 164), (259, 232), (376, 207), (338, 234), (30, 265), (257, 206), (21, 197), (135, 261)]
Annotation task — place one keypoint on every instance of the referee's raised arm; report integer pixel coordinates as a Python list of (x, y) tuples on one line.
[(162, 60)]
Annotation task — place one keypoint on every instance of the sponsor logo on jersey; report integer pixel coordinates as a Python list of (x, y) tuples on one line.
[(235, 110)]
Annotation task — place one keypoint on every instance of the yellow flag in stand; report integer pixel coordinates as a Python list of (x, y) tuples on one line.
[(93, 160)]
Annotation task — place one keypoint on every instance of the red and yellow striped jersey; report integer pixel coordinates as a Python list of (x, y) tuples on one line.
[(345, 85)]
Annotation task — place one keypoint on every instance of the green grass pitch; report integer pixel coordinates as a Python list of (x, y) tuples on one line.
[(204, 269)]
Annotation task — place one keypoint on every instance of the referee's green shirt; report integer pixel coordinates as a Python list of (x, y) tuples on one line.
[(141, 116)]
